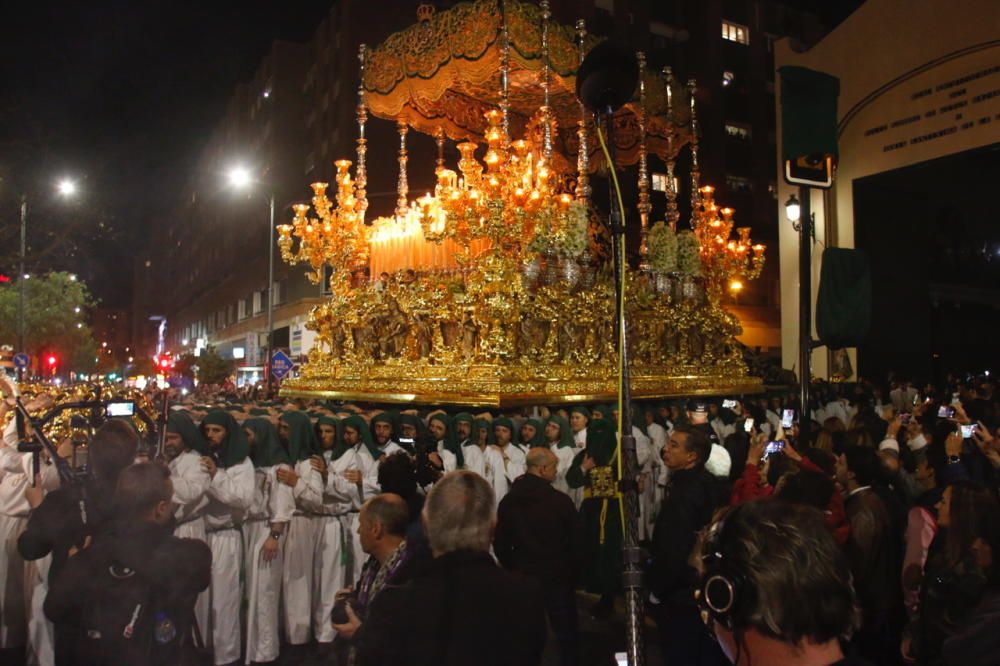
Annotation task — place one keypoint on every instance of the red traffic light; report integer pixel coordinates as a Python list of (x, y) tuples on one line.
[(52, 360), (165, 361)]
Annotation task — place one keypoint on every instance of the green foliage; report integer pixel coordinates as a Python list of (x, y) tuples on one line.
[(50, 319), (212, 368), (688, 254), (662, 248)]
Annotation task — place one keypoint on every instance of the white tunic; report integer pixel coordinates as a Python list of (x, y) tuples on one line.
[(272, 503), (565, 455), (447, 457), (300, 544), (230, 496), (190, 481), (355, 458), (330, 513), (489, 465)]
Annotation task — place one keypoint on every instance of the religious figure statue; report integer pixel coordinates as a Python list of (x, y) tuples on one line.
[(470, 336)]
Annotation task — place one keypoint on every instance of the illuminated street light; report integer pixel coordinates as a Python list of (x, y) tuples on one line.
[(793, 210), (239, 177), (66, 187)]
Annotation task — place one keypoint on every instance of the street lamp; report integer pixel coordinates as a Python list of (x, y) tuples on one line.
[(793, 211), (240, 178), (66, 188)]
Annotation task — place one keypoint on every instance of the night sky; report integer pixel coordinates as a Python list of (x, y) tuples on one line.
[(122, 95)]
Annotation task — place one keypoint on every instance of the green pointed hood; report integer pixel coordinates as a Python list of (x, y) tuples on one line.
[(267, 450), (301, 442), (235, 447), (602, 440), (449, 438)]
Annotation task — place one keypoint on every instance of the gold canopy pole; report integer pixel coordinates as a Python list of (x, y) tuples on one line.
[(402, 187), (546, 73), (583, 152), (673, 215), (695, 173), (504, 76), (361, 175), (644, 207)]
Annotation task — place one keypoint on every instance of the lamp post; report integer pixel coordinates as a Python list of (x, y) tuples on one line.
[(240, 178), (798, 214), (66, 188)]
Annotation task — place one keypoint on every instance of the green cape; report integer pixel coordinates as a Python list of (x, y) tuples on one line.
[(180, 422), (235, 447), (301, 442), (565, 432), (267, 450), (449, 439)]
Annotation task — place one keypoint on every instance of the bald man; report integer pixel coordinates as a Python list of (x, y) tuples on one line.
[(538, 534)]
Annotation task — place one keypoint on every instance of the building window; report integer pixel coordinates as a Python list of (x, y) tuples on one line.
[(739, 184), (660, 182), (734, 32), (276, 290), (241, 309), (257, 302), (736, 131)]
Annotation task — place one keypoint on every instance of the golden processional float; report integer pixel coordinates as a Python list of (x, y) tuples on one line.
[(491, 290)]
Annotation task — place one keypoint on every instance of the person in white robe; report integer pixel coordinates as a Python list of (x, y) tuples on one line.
[(475, 437), (295, 430), (330, 509), (513, 456), (559, 437), (230, 495), (264, 530), (451, 458), (190, 481), (354, 476), (384, 434)]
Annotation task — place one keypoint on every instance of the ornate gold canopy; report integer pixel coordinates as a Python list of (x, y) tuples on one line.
[(444, 73)]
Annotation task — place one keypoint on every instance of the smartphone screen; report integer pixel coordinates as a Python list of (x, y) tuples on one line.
[(967, 431), (905, 418), (787, 418), (945, 412), (728, 404), (748, 425), (121, 408), (772, 448)]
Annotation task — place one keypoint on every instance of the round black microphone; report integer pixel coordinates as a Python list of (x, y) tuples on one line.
[(607, 77)]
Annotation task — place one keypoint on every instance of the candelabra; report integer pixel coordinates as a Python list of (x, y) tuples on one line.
[(723, 257)]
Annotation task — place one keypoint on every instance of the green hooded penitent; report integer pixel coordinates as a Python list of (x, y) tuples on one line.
[(412, 420), (267, 450), (483, 424), (580, 409), (385, 417), (538, 439), (565, 432), (601, 508), (338, 441), (235, 447), (466, 417), (301, 438), (180, 422), (358, 423), (449, 439), (506, 423)]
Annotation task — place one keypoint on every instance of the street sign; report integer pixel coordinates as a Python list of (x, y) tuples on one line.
[(21, 360), (281, 364)]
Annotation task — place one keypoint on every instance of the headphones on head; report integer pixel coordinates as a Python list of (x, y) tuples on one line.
[(720, 591)]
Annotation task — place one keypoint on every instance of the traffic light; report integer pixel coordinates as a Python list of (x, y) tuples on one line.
[(52, 360), (165, 362)]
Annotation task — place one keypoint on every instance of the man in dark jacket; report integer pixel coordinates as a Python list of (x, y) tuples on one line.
[(463, 608), (128, 598), (538, 534), (70, 516), (687, 507)]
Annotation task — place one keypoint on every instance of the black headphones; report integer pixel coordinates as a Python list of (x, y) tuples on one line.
[(720, 591)]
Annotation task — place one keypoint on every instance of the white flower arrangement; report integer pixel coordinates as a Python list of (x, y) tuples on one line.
[(688, 254), (662, 248), (574, 237)]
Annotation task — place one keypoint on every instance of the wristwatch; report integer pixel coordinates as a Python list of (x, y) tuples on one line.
[(954, 459), (276, 536)]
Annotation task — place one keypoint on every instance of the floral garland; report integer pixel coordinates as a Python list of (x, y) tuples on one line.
[(662, 248), (688, 254)]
